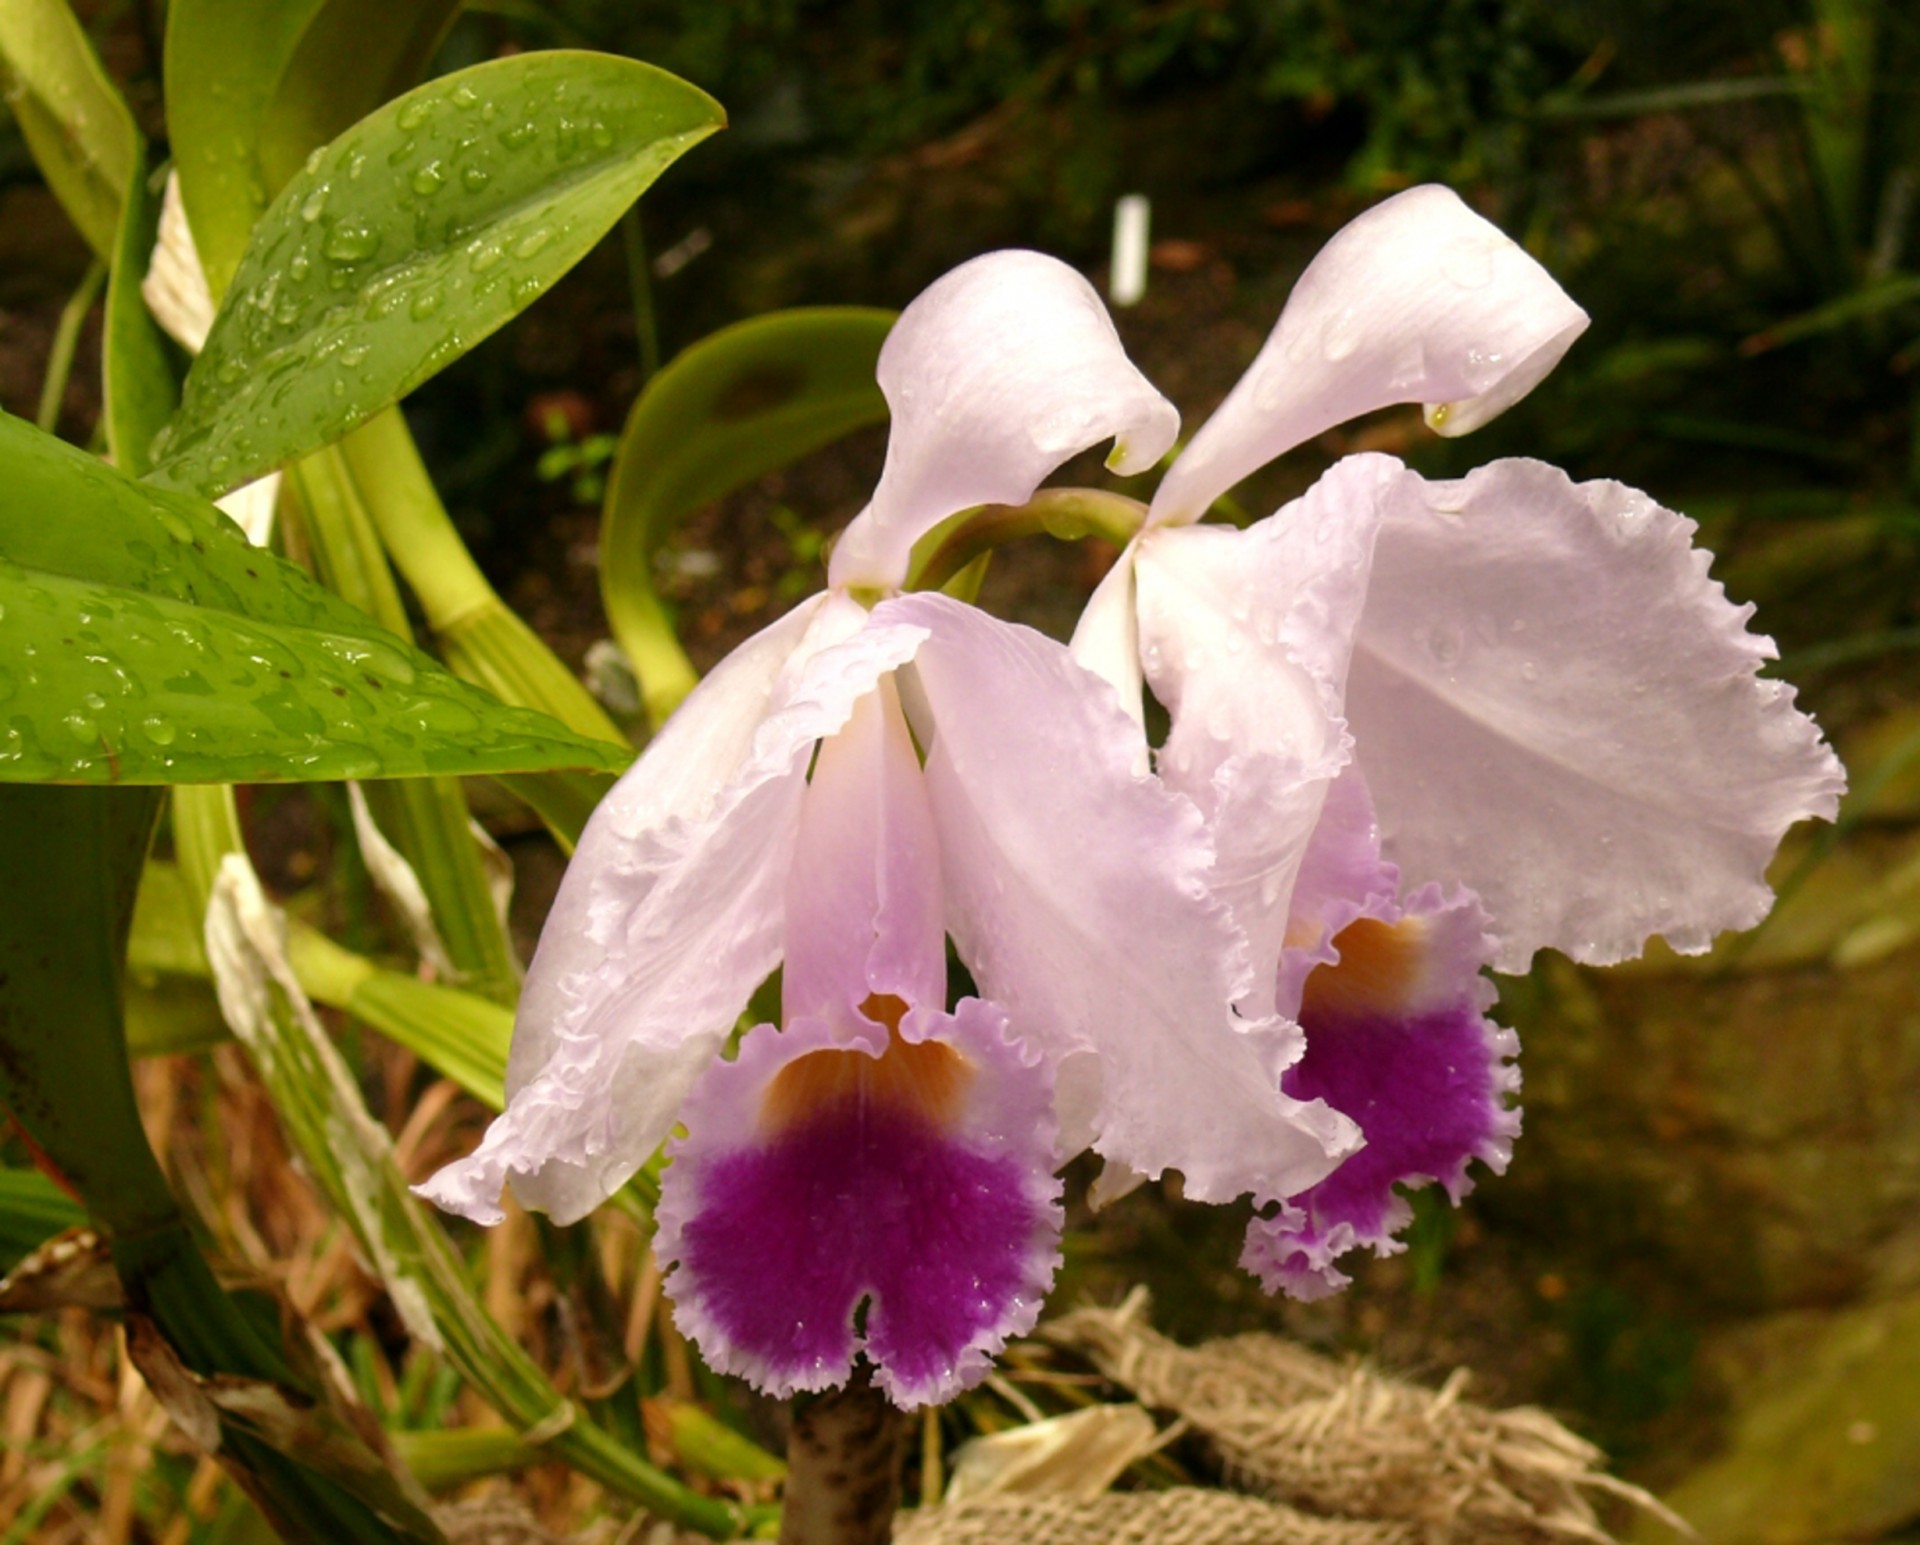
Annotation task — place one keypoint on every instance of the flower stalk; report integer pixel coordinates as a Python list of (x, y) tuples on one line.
[(843, 1466)]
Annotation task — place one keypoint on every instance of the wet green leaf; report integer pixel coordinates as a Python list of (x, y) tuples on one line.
[(411, 237), (223, 59), (73, 119), (146, 642), (735, 406), (352, 56)]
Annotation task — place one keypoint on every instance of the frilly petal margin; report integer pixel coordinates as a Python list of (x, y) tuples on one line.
[(1398, 1039), (996, 374), (669, 916), (1077, 892), (912, 1171), (1417, 300), (1554, 705)]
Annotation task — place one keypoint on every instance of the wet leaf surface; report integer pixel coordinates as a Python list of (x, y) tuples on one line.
[(146, 642), (411, 237)]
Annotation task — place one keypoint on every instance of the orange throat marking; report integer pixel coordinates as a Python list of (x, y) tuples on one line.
[(918, 1078), (1378, 972)]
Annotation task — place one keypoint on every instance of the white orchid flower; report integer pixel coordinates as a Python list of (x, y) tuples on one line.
[(969, 781), (1556, 713)]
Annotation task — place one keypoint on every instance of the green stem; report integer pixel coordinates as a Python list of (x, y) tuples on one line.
[(66, 337), (479, 636), (1067, 513)]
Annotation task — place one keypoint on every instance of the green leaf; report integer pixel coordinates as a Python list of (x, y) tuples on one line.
[(252, 88), (138, 360), (223, 59), (353, 56), (733, 407), (426, 819), (73, 119), (411, 237), (146, 642)]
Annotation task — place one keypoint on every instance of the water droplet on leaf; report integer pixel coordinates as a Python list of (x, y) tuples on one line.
[(351, 243)]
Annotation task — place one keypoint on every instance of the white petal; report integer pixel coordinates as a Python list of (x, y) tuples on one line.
[(1077, 894), (1417, 300), (1555, 705), (670, 915), (998, 373), (1246, 637), (1106, 640)]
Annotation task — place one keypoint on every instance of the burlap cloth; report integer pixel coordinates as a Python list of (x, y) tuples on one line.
[(1319, 1453)]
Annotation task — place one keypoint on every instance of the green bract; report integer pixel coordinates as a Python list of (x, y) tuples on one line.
[(146, 642), (412, 236)]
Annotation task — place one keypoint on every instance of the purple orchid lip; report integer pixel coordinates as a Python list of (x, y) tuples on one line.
[(908, 1171), (1397, 1039)]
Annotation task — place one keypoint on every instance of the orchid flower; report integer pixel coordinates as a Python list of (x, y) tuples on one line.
[(1432, 727), (1554, 710), (870, 776)]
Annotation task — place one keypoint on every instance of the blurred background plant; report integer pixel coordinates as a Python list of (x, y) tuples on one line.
[(1708, 1253)]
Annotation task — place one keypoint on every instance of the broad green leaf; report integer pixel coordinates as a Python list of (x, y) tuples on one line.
[(73, 119), (223, 59), (138, 360), (352, 56), (411, 237), (733, 407), (146, 642), (252, 88)]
